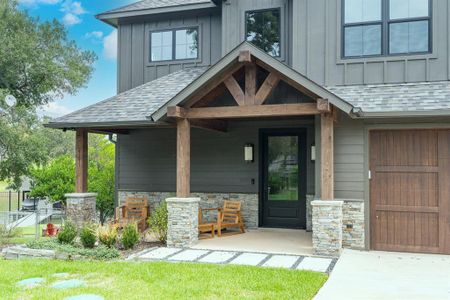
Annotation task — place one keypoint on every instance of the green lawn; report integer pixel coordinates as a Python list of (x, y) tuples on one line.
[(159, 280)]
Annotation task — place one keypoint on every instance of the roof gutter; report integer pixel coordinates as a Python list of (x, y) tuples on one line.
[(99, 125), (153, 11), (358, 113)]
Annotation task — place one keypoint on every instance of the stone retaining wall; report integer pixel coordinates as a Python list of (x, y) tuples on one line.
[(250, 205)]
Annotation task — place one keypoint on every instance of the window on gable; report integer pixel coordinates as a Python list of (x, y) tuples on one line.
[(383, 27), (175, 44), (263, 29)]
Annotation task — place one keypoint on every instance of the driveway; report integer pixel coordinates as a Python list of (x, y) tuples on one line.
[(387, 275)]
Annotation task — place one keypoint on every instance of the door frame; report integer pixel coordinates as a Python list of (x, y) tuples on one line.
[(302, 161)]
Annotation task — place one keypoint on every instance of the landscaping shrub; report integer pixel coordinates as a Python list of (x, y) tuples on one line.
[(107, 235), (88, 236), (130, 236), (67, 234), (6, 234), (158, 222), (99, 253)]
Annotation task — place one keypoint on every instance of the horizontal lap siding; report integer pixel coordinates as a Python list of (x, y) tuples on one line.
[(147, 158), (349, 159)]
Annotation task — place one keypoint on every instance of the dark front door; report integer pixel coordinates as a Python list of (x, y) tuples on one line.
[(283, 188)]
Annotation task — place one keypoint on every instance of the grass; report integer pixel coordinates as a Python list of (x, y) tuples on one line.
[(159, 280)]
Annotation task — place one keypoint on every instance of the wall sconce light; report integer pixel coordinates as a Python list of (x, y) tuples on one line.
[(248, 153), (313, 152)]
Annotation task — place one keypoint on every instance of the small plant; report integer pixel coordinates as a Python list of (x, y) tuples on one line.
[(107, 235), (67, 234), (158, 222), (88, 236), (6, 234), (130, 236)]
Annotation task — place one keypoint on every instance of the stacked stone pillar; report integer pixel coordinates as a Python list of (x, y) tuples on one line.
[(81, 208), (182, 231), (327, 219)]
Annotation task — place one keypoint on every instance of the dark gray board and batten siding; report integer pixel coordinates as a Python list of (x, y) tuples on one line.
[(134, 66), (313, 37), (148, 158)]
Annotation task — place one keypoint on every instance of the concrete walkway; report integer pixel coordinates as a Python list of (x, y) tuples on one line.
[(387, 275), (295, 262)]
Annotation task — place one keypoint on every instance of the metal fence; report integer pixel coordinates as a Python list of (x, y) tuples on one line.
[(33, 223), (11, 201)]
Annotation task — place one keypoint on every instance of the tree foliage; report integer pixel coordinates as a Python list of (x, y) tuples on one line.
[(57, 178), (38, 63), (38, 59)]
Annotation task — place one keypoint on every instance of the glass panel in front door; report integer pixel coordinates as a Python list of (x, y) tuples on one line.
[(283, 168)]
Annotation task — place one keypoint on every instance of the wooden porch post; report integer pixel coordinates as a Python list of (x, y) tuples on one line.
[(183, 158), (327, 153), (81, 160)]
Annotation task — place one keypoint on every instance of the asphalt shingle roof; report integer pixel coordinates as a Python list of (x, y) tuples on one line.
[(152, 4), (136, 104), (408, 97)]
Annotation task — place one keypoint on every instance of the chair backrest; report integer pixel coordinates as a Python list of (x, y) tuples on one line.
[(231, 210), (136, 207)]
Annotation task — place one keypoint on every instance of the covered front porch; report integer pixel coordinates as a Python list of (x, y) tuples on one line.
[(211, 143)]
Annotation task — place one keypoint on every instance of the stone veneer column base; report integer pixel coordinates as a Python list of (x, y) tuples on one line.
[(182, 222), (81, 208), (327, 227)]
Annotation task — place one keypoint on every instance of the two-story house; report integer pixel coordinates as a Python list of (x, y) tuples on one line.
[(330, 115)]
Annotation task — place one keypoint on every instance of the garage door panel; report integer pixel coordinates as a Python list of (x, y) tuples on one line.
[(407, 189), (410, 190), (393, 148)]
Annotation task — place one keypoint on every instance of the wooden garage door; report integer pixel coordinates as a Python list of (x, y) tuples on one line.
[(410, 190)]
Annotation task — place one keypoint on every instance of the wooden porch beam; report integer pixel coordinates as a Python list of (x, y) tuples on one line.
[(81, 160), (266, 88), (183, 158), (327, 156), (323, 105), (250, 84), (235, 90), (231, 112), (245, 56)]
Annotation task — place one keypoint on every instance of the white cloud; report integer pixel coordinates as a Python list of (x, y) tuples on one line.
[(94, 35), (110, 45), (72, 7), (71, 19), (53, 110), (37, 2), (72, 10)]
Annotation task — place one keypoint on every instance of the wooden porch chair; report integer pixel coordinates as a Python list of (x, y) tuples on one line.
[(208, 226), (136, 210), (230, 216)]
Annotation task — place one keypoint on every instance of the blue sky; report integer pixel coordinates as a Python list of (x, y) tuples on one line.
[(90, 34)]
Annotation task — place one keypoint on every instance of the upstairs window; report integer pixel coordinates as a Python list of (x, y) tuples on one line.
[(177, 44), (384, 27), (263, 29)]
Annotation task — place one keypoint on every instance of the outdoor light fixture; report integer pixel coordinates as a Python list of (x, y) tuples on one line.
[(313, 152), (248, 153)]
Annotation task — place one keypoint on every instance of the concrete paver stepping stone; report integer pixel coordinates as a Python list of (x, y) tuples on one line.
[(68, 284), (217, 257), (85, 297), (314, 264), (188, 255), (250, 259), (160, 253), (281, 261), (31, 282)]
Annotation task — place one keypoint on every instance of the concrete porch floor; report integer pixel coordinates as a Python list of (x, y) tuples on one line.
[(266, 240)]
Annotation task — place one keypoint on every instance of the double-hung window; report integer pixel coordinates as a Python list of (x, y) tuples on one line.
[(176, 44), (386, 27)]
